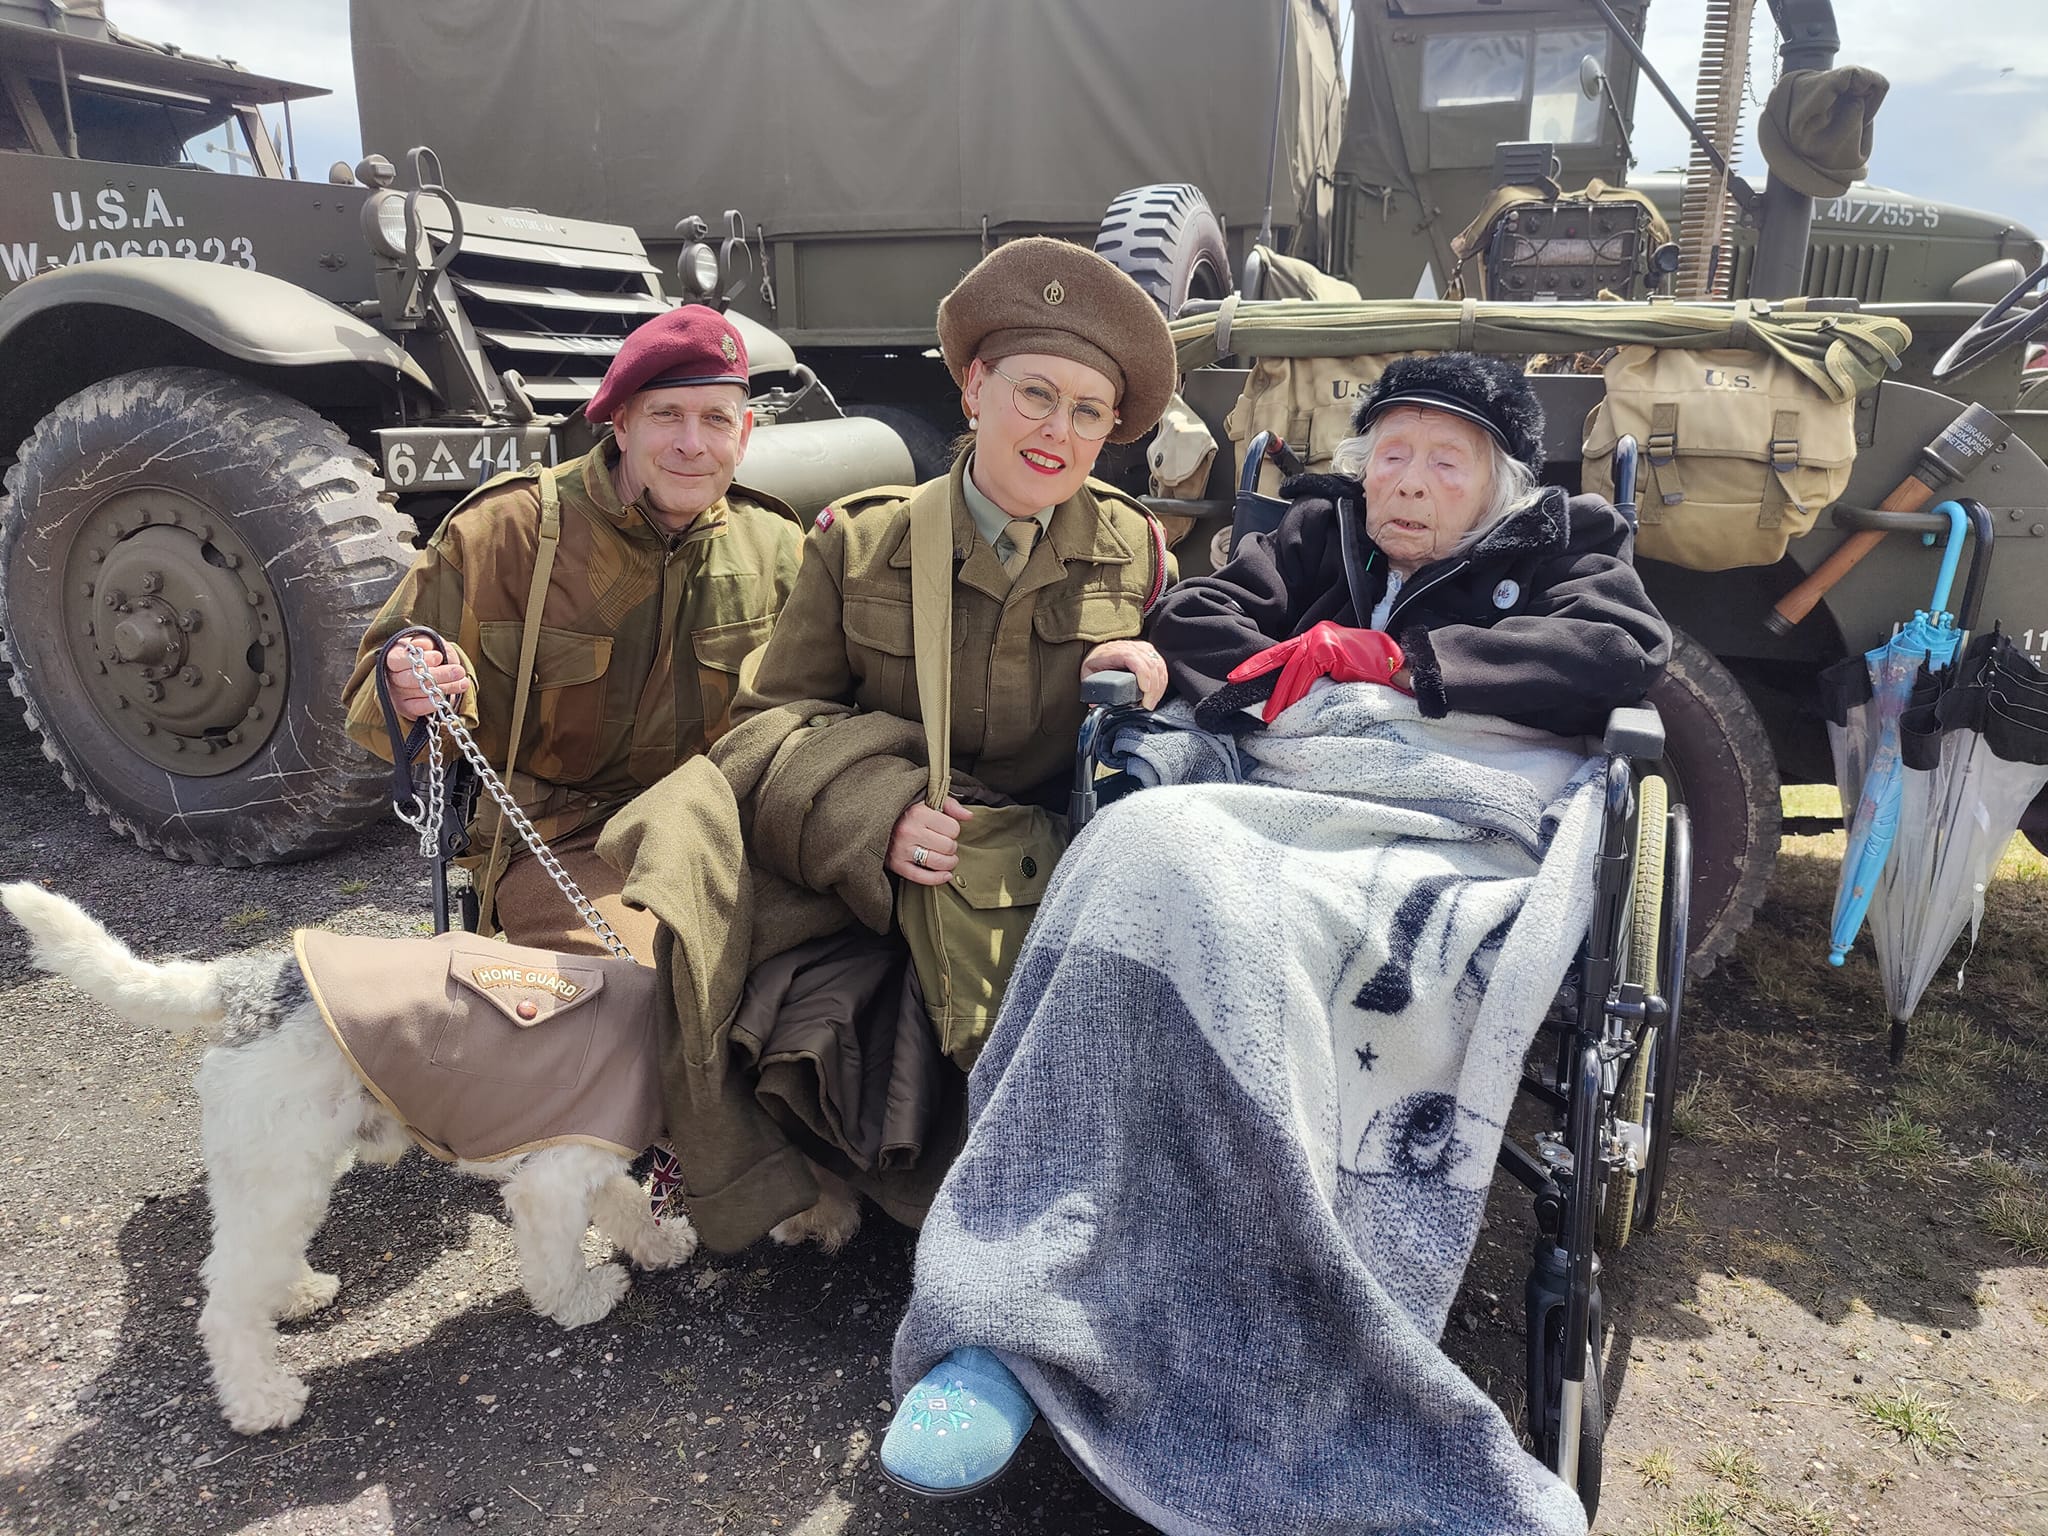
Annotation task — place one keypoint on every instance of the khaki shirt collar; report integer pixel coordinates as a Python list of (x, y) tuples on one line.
[(990, 520)]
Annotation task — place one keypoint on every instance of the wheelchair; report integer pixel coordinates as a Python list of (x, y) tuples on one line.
[(1603, 1070)]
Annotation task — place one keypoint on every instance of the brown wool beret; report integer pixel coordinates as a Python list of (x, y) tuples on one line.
[(1057, 298), (690, 344)]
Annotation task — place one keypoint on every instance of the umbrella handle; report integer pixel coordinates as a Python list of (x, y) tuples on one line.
[(1951, 553), (1982, 529)]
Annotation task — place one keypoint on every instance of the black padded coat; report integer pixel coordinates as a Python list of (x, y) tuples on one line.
[(1544, 622)]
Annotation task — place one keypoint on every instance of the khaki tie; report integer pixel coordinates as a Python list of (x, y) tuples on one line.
[(1022, 533)]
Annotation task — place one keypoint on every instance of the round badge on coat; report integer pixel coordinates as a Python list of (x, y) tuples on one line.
[(1507, 594)]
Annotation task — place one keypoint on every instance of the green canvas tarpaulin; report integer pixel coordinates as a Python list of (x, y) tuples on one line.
[(1843, 354), (854, 117)]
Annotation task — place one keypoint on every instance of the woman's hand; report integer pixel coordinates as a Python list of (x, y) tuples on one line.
[(1137, 657), (935, 835)]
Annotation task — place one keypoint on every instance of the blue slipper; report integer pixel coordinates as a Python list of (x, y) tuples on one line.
[(956, 1430)]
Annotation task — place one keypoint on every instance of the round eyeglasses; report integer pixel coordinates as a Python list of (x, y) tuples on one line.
[(1037, 399)]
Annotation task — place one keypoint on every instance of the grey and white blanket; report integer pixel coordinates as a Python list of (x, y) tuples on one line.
[(1233, 1133)]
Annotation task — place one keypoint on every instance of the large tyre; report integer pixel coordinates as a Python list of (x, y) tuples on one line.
[(187, 563), (1167, 238), (1719, 762)]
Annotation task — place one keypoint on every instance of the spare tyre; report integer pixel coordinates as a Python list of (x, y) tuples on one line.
[(187, 564), (1168, 239)]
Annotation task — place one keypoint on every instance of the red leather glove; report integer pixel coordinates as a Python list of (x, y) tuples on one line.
[(1328, 650)]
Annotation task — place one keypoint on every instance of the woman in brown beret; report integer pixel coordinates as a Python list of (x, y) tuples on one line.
[(1051, 575)]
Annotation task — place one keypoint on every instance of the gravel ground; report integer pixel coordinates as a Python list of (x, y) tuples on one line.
[(745, 1394)]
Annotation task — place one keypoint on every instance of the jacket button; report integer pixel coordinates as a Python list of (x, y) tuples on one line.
[(528, 1010), (1030, 867)]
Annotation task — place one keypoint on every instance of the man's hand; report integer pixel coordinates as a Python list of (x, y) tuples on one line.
[(936, 834), (1137, 657), (1326, 650), (407, 697)]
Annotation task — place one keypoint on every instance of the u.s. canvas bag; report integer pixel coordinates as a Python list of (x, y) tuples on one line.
[(965, 935), (1740, 452)]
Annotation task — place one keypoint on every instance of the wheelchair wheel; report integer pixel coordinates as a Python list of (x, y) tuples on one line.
[(1546, 1412), (1625, 1202)]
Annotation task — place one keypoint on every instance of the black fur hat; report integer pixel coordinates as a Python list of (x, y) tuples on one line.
[(1486, 391)]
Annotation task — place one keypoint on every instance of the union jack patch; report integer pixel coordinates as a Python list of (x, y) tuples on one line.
[(824, 519)]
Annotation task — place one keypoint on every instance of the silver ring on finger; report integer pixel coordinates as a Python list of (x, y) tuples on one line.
[(919, 855)]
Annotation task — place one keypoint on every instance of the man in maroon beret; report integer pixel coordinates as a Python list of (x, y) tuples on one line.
[(637, 577)]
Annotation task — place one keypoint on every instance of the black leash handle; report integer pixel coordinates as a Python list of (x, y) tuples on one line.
[(405, 745)]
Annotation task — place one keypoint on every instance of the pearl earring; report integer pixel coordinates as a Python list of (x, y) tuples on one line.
[(974, 423)]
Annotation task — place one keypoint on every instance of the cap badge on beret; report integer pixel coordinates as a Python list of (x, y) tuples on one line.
[(1055, 293), (730, 348)]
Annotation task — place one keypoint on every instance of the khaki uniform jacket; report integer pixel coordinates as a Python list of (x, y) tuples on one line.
[(642, 635), (826, 750), (1017, 647)]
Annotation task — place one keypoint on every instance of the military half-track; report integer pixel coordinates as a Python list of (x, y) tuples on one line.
[(232, 401)]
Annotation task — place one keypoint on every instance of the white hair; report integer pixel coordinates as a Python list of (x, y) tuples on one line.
[(1513, 486)]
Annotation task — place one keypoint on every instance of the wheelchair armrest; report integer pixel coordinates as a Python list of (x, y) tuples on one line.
[(1114, 689), (1637, 732)]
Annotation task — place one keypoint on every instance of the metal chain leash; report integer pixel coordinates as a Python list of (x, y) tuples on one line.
[(445, 715)]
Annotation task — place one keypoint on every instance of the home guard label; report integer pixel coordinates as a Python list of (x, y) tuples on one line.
[(518, 976)]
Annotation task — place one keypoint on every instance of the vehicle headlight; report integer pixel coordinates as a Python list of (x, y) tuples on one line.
[(384, 224), (697, 269)]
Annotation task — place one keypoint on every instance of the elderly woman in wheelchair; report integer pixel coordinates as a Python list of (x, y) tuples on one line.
[(1233, 1133)]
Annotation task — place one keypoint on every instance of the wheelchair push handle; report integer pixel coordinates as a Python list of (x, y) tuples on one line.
[(1110, 690)]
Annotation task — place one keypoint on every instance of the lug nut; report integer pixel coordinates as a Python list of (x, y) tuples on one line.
[(231, 560), (189, 621), (255, 711), (152, 581), (85, 589), (177, 743), (255, 599), (189, 677), (234, 738), (120, 701), (148, 729), (264, 680), (100, 667), (96, 555), (266, 639), (152, 692), (117, 599)]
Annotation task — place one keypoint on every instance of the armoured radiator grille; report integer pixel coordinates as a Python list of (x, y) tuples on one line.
[(1835, 269), (554, 314)]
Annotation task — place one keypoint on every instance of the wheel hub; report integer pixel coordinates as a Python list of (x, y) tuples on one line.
[(176, 629)]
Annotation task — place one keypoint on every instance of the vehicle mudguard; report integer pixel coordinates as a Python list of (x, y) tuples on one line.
[(247, 315)]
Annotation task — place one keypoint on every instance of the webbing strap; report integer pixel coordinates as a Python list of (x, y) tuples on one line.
[(1784, 459), (1661, 449), (931, 629), (529, 648)]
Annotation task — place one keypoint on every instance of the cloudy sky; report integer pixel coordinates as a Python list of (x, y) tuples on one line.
[(1966, 122)]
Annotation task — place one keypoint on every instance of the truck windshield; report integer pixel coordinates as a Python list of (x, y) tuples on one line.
[(134, 125), (1495, 69)]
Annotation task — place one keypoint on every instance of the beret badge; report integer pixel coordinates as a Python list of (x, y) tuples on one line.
[(1055, 292), (730, 348)]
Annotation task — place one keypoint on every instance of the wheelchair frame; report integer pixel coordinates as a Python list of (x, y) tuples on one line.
[(1613, 1007)]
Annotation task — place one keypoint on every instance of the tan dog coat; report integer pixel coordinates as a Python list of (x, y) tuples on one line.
[(485, 1049)]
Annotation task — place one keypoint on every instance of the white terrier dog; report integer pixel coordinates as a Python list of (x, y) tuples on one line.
[(281, 1110)]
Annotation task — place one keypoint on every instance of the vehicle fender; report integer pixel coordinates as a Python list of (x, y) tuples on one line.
[(248, 315)]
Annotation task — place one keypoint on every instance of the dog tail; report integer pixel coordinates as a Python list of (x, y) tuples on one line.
[(178, 996)]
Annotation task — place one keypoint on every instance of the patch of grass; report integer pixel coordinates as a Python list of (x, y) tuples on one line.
[(1894, 1142), (1706, 1112), (353, 887), (1732, 1464), (1704, 1514), (1997, 1173), (248, 917), (1942, 1036), (1656, 1469), (2010, 1389), (2020, 1218), (1912, 1418)]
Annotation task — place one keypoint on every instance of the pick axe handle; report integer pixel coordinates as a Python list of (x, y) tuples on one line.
[(1963, 444), (1911, 494)]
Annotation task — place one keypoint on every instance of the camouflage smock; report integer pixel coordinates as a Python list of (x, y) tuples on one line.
[(611, 710)]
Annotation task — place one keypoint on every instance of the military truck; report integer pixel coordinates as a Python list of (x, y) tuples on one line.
[(233, 400), (907, 140)]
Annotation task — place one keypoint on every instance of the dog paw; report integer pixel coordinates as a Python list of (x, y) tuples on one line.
[(274, 1402), (592, 1297), (666, 1246), (313, 1291), (830, 1224)]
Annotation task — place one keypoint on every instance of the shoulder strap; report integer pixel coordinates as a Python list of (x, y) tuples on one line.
[(931, 628), (529, 648)]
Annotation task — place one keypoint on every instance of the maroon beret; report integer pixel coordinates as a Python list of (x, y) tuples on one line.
[(691, 344)]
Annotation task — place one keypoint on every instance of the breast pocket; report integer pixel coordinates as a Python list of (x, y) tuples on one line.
[(564, 733), (721, 651), (1068, 628)]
